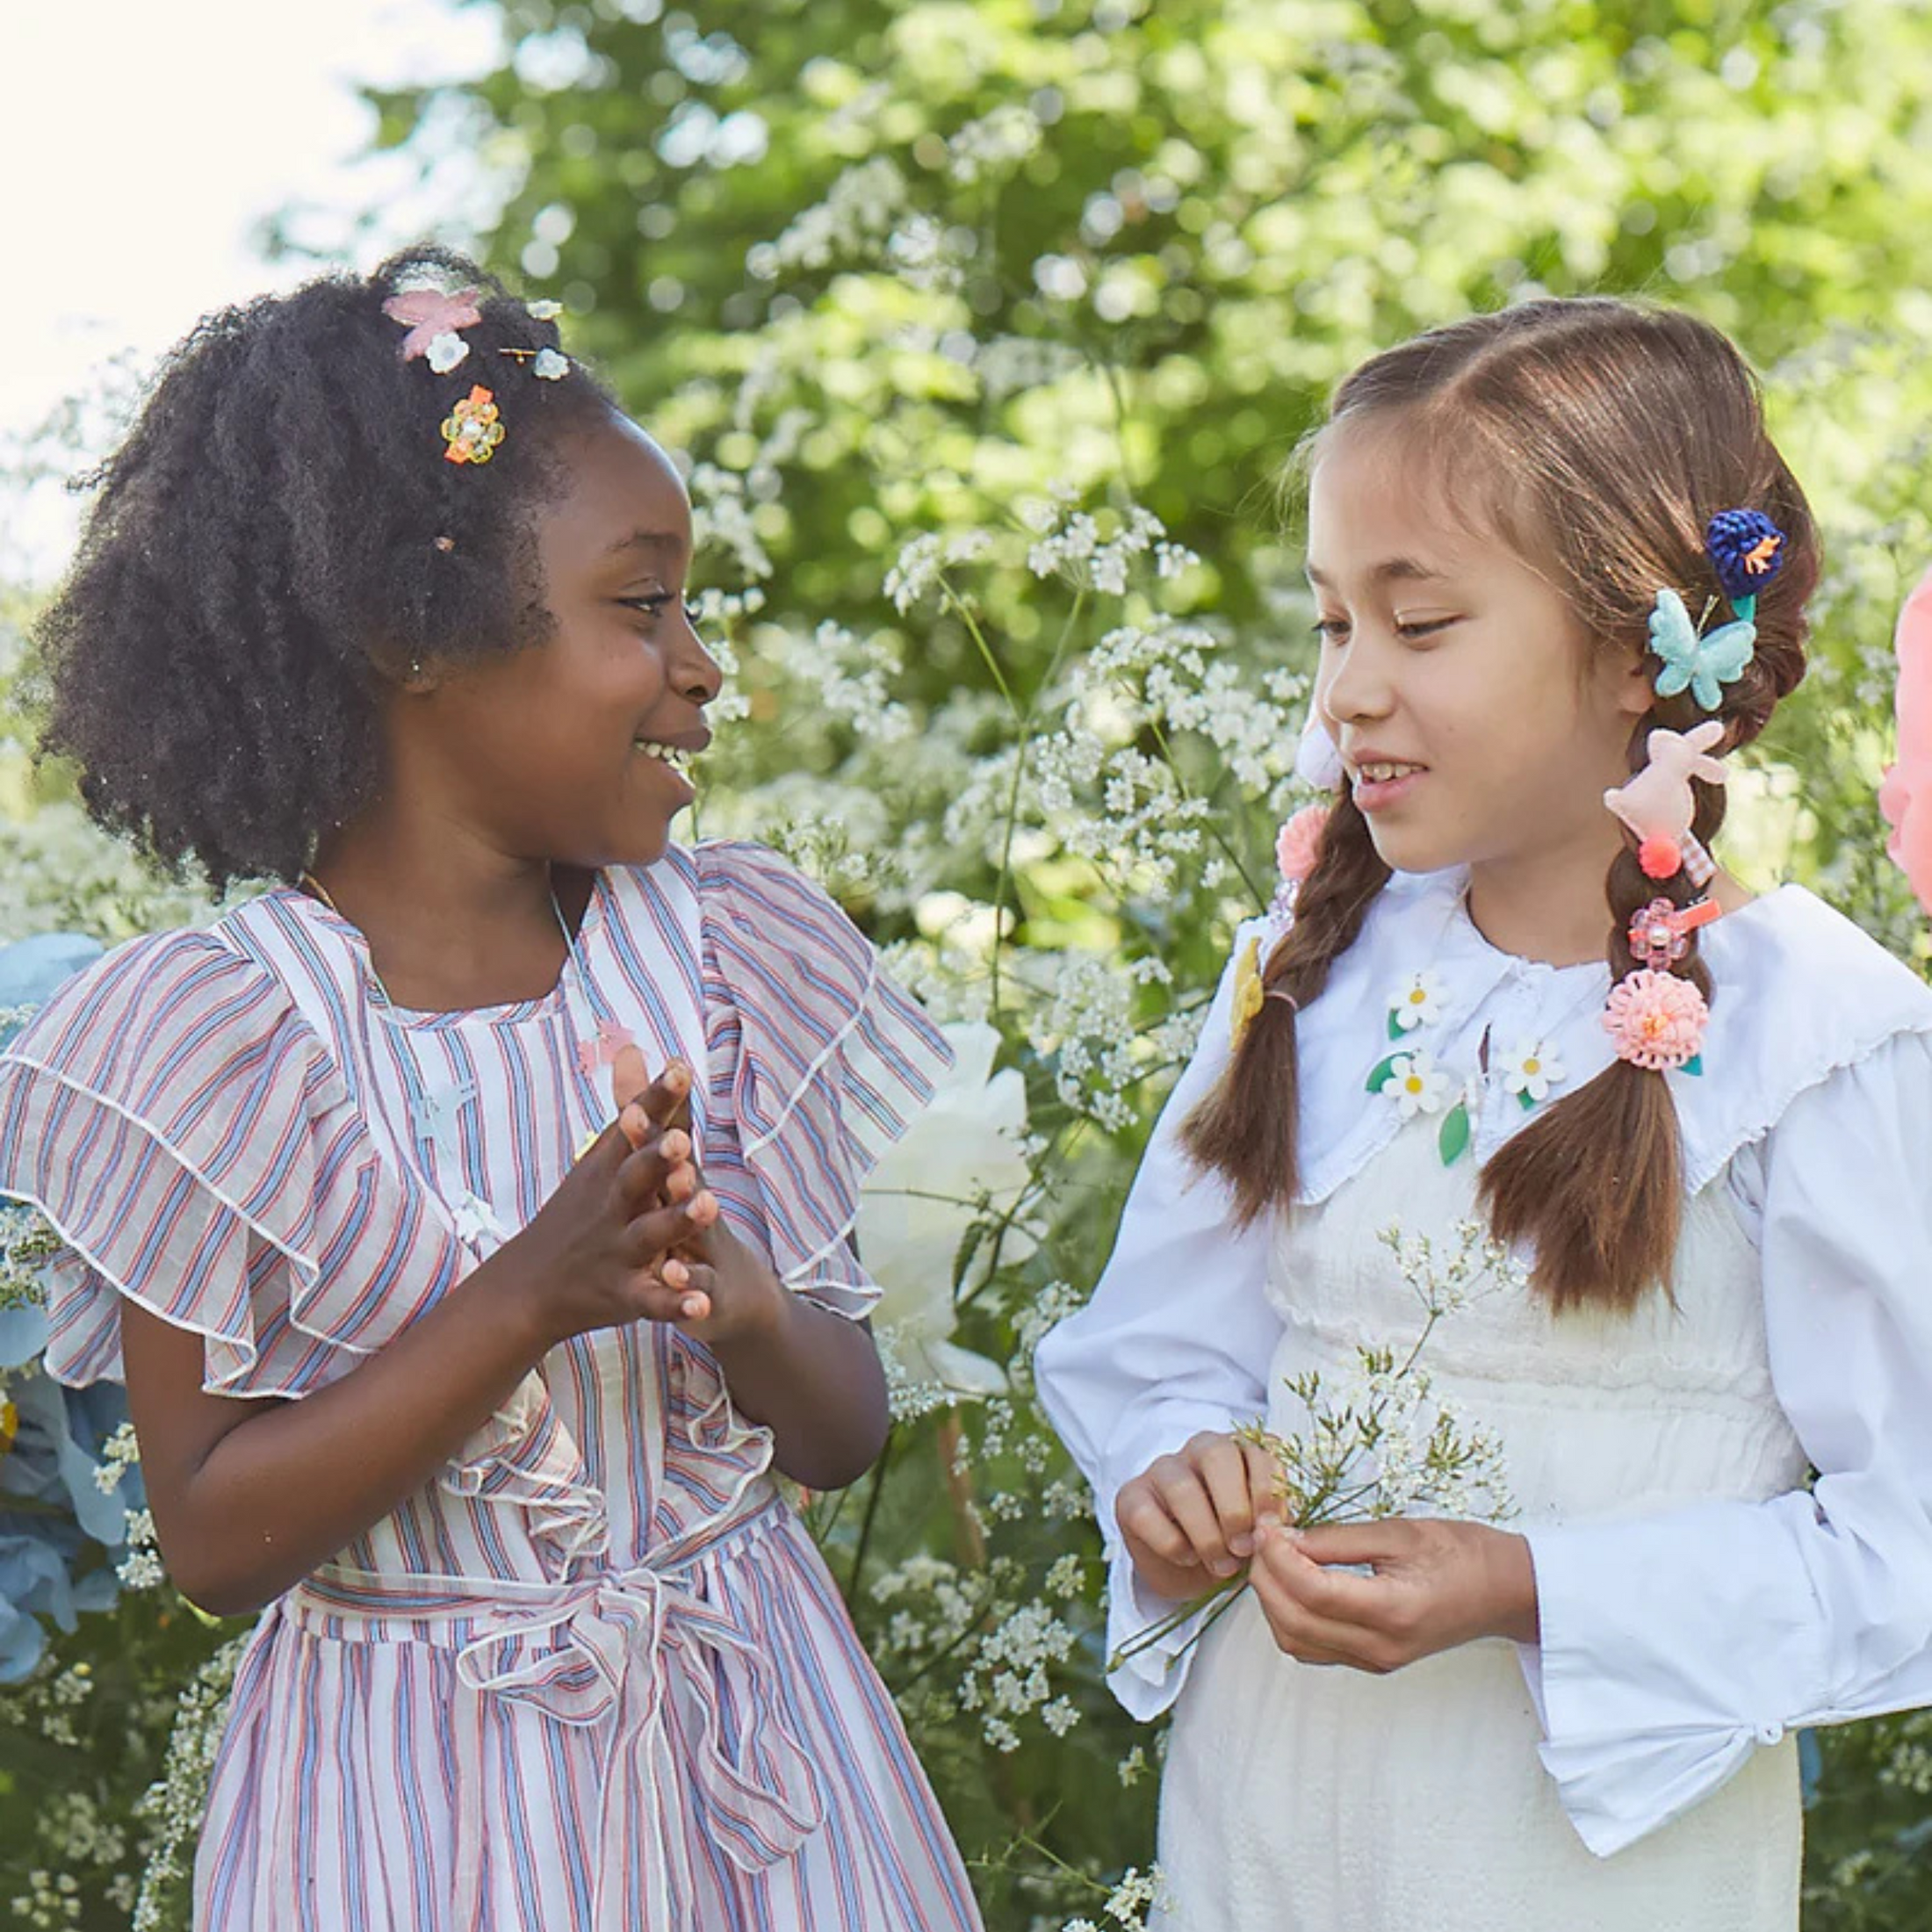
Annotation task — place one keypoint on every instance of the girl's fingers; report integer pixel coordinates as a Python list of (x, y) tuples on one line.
[(1265, 1483), (663, 1229), (1320, 1616), (1184, 1496), (1143, 1519), (661, 1103), (676, 1291), (652, 1167), (630, 1076), (1223, 1471)]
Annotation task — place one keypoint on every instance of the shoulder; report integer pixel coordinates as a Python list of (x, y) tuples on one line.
[(757, 911), (181, 990), (1800, 996)]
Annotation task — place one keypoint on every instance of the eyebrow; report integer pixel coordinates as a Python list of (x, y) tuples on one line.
[(1404, 570), (657, 541)]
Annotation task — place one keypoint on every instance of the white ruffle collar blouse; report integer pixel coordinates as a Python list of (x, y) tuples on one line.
[(1672, 1644)]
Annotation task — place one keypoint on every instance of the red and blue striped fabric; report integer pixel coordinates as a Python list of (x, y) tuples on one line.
[(595, 1675)]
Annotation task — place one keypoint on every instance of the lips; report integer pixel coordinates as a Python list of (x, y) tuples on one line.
[(1380, 781)]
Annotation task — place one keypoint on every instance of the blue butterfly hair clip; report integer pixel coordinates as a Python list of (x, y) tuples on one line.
[(1704, 665)]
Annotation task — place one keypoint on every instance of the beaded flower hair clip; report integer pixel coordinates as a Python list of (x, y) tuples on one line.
[(474, 427)]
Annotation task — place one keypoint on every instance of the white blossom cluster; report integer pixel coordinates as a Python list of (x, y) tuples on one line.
[(851, 223), (1132, 1898), (27, 1243), (173, 1806), (995, 142)]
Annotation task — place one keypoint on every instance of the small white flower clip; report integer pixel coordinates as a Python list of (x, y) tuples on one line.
[(446, 352), (1413, 1081), (1417, 1002)]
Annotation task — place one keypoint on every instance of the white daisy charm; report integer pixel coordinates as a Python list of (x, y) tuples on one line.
[(446, 350), (1416, 1084), (1417, 1002), (1529, 1070)]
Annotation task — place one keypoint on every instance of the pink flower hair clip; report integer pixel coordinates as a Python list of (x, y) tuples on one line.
[(1656, 1021), (1299, 843), (1906, 796), (435, 321)]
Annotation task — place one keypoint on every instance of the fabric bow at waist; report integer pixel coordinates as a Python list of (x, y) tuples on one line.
[(614, 1645)]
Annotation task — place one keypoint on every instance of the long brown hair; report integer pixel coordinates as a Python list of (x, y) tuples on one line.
[(1599, 438)]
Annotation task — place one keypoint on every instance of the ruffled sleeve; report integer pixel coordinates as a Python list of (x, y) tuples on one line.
[(182, 1128), (1177, 1339), (816, 1064), (1674, 1645)]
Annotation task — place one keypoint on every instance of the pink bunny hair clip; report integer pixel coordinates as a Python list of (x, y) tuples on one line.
[(1658, 804)]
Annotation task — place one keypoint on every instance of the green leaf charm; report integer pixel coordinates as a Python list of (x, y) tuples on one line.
[(1694, 1064), (1453, 1138), (1528, 1100), (1397, 1030), (1379, 1073)]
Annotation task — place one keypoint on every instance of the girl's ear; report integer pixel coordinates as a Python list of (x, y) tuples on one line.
[(1633, 684)]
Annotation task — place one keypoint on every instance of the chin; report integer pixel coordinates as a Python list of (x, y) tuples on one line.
[(1413, 849)]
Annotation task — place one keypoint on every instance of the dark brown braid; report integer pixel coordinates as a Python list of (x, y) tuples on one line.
[(1246, 1127)]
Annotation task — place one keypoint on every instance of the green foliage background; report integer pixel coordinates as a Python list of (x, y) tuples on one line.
[(889, 273)]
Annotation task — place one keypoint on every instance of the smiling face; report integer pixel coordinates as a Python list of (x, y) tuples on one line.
[(569, 750), (1477, 723)]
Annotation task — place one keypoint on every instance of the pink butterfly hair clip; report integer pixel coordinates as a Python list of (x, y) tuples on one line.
[(1906, 796), (430, 317)]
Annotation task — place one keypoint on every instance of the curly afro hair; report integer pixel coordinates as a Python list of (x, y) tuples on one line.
[(277, 542)]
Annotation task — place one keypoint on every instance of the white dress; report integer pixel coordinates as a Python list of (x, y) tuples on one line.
[(1728, 1504), (1305, 1799)]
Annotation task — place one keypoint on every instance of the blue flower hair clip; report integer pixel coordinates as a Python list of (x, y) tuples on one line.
[(1746, 549)]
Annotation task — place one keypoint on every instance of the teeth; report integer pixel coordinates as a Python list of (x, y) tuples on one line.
[(1381, 774), (680, 761)]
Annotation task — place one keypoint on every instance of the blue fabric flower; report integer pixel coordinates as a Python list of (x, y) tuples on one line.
[(1746, 549), (60, 1533)]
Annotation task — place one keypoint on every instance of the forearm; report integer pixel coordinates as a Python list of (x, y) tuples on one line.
[(287, 1490), (814, 1379)]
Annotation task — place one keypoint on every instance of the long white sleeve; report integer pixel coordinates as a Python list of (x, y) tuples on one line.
[(1177, 1339), (1672, 1646)]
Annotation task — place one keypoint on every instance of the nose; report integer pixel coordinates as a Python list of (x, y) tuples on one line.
[(695, 673), (1354, 686)]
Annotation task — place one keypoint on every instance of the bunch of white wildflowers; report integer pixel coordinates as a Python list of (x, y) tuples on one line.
[(1380, 1442)]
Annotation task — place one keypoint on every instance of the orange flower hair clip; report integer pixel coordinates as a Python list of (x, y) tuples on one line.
[(473, 427)]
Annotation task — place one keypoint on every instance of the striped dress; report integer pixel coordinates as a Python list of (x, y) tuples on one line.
[(594, 1675)]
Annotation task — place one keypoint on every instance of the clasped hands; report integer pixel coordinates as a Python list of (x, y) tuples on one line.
[(634, 1234), (1193, 1519)]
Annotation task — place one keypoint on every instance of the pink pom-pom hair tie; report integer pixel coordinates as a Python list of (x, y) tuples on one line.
[(1906, 796)]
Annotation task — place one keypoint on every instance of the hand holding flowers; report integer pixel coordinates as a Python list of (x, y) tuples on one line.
[(1303, 1512)]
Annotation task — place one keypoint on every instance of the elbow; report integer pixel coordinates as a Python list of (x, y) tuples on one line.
[(215, 1584)]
